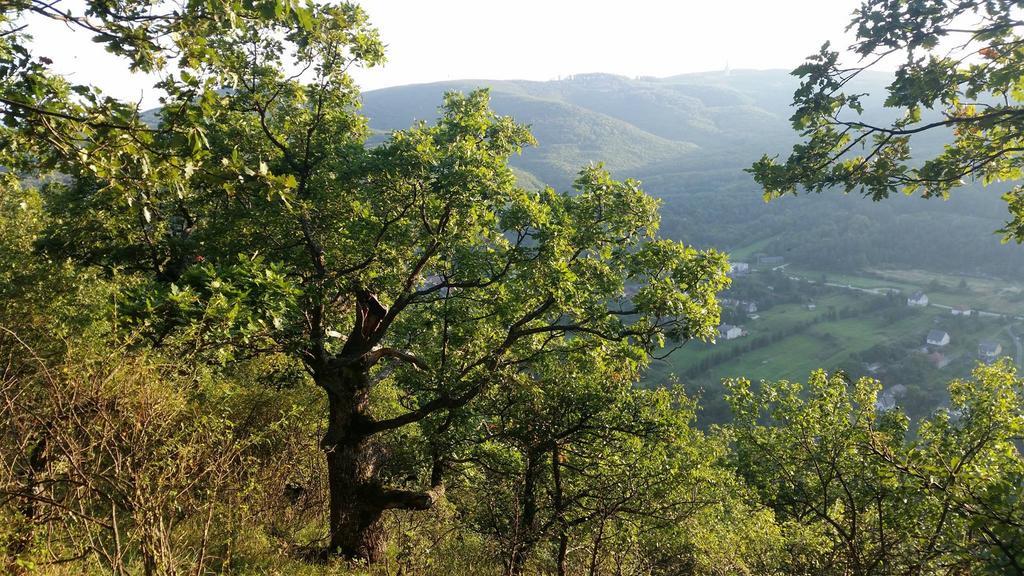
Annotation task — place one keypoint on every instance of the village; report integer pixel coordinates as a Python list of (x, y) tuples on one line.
[(935, 341), (906, 334)]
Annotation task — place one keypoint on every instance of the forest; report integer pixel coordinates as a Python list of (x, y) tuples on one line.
[(278, 326)]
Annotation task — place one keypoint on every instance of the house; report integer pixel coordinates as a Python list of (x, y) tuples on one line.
[(918, 299), (887, 399), (811, 306), (961, 310), (937, 338), (730, 332), (739, 269), (988, 351), (746, 306)]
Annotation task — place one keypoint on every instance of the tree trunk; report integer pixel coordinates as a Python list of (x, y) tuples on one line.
[(563, 532), (525, 537), (354, 517), (356, 497), (561, 565)]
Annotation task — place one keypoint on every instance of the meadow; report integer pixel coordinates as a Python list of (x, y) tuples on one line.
[(846, 327)]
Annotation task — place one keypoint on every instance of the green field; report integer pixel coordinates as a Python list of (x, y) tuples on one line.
[(746, 253), (788, 341), (855, 280), (989, 294), (765, 362), (823, 345)]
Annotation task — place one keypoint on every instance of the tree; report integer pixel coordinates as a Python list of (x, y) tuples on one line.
[(575, 466), (943, 500), (803, 448), (959, 75), (406, 278), (968, 461)]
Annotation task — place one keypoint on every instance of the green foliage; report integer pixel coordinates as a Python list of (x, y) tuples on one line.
[(575, 467), (734, 118), (137, 465), (942, 502), (970, 458), (406, 278), (223, 318), (974, 90)]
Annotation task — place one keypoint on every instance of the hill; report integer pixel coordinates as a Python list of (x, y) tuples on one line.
[(689, 137)]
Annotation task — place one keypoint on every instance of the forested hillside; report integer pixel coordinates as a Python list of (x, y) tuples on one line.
[(689, 138)]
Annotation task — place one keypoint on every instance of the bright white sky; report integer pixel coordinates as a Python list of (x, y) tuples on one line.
[(544, 39), (430, 40)]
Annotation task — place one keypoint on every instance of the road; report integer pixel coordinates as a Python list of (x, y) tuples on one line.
[(1019, 359), (885, 291)]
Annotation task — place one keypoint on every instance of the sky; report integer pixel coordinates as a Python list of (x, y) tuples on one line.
[(432, 40)]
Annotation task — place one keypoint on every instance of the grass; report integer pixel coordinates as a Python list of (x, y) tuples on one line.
[(857, 281), (746, 253), (823, 345), (792, 355), (792, 358), (830, 344), (989, 294)]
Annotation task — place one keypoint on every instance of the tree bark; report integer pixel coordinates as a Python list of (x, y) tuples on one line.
[(561, 565), (525, 536), (356, 502), (358, 498), (563, 533), (354, 515)]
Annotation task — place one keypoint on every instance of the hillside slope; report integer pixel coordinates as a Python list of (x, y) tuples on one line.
[(689, 137)]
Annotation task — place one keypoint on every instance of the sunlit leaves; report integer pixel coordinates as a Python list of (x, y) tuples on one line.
[(945, 494), (249, 218), (221, 308), (970, 92)]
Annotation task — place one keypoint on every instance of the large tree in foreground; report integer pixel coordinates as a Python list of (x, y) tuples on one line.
[(406, 278), (960, 73)]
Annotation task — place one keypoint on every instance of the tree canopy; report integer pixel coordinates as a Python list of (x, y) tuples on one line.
[(405, 278), (238, 334), (958, 73)]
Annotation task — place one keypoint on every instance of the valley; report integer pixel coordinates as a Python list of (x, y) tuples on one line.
[(859, 323)]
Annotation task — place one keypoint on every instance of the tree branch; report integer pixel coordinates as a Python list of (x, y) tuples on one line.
[(375, 356)]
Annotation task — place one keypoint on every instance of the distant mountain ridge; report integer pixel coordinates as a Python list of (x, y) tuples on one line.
[(633, 125), (689, 138)]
